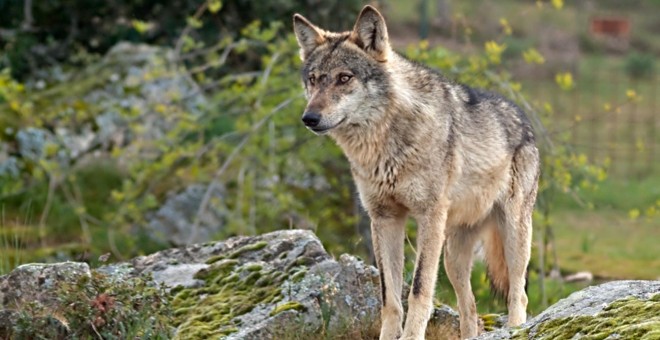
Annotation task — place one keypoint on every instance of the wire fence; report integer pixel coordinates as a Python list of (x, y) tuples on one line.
[(608, 117)]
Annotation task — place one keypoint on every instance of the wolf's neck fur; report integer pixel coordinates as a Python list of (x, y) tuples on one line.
[(396, 132)]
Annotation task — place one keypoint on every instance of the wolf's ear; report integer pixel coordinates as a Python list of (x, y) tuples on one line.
[(370, 33), (308, 35)]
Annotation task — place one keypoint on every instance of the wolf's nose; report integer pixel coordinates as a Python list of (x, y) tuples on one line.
[(311, 119)]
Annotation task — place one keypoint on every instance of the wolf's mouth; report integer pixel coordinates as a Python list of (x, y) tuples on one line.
[(321, 131)]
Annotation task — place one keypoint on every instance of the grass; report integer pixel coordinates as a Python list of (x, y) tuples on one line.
[(608, 244), (598, 118), (63, 236)]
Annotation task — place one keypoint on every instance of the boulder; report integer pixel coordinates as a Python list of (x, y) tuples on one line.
[(32, 285), (265, 287), (613, 310), (172, 222), (35, 282), (271, 286), (285, 284), (129, 92)]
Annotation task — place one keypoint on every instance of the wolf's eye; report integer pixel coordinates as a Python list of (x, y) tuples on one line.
[(312, 80), (344, 78)]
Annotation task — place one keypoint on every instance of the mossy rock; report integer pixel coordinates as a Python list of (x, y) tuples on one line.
[(267, 286), (614, 310)]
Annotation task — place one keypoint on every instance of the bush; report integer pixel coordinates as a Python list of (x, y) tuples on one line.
[(99, 307), (640, 65), (93, 26)]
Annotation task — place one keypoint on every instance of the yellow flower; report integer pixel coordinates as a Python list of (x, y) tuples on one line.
[(141, 26), (564, 80), (633, 214), (214, 6), (506, 27), (558, 4), (494, 51), (532, 56)]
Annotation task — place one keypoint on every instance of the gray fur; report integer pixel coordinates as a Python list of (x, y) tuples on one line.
[(461, 161)]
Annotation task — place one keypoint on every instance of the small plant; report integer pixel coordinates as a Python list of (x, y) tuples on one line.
[(99, 307), (640, 65)]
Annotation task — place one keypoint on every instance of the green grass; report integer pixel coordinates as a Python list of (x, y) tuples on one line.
[(620, 195), (608, 244), (62, 238), (597, 117)]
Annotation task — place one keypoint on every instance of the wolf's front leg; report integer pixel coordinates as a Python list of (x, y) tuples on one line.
[(430, 238), (388, 235)]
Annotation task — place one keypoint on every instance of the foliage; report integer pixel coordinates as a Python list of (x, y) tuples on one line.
[(640, 65), (99, 306), (45, 38)]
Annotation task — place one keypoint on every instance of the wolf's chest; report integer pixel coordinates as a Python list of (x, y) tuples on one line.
[(381, 177)]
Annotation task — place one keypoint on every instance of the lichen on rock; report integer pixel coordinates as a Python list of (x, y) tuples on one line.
[(229, 291), (265, 286), (630, 318), (613, 310)]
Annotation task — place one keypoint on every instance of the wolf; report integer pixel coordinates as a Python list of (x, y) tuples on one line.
[(462, 162)]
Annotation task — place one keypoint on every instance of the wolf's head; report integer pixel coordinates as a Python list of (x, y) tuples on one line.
[(343, 73)]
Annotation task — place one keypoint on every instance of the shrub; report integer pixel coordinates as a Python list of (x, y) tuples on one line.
[(640, 65), (99, 307)]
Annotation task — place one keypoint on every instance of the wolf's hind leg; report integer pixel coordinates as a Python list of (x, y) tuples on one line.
[(458, 264), (516, 234), (515, 229), (388, 237)]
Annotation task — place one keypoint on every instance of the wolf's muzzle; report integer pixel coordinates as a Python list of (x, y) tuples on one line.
[(311, 119)]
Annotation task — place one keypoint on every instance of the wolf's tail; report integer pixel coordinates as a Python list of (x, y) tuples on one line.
[(497, 270)]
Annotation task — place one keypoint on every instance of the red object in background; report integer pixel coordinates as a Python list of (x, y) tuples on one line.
[(610, 26)]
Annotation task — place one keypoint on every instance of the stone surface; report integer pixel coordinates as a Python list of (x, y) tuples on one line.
[(592, 303), (282, 283), (172, 222), (36, 281), (125, 89), (310, 289)]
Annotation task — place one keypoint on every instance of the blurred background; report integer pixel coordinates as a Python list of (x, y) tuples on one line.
[(128, 127)]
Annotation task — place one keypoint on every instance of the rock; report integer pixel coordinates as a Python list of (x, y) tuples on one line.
[(128, 91), (32, 284), (32, 142), (282, 283), (613, 310), (444, 324), (172, 222), (266, 287), (579, 277), (262, 287), (36, 282)]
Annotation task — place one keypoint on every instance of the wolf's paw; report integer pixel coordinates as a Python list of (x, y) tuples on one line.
[(390, 333)]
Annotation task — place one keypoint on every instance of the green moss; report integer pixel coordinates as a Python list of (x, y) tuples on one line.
[(230, 290), (250, 247), (628, 319), (214, 259), (253, 267), (297, 276), (304, 261), (291, 305), (489, 321)]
